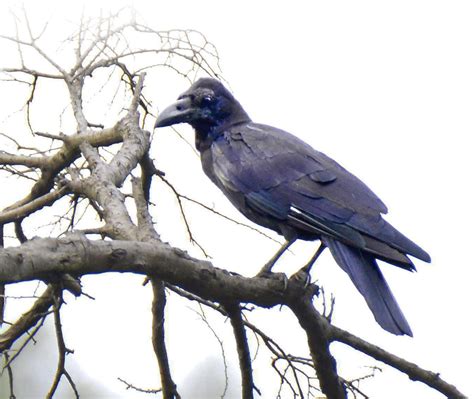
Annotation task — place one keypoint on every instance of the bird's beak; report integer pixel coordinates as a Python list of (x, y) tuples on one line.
[(181, 111)]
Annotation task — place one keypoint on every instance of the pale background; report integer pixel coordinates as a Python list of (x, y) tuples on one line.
[(386, 89)]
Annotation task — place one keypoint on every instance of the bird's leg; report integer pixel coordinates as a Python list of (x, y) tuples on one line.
[(307, 268), (303, 273), (268, 266)]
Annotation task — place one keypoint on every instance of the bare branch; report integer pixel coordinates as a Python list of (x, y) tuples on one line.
[(28, 320), (133, 109), (185, 218), (28, 71), (32, 206), (63, 158), (353, 385), (318, 332), (13, 159), (32, 43), (243, 351), (62, 351), (413, 371), (20, 235), (269, 342), (131, 386), (30, 337), (148, 233), (158, 338), (203, 317), (126, 50), (10, 374), (179, 195)]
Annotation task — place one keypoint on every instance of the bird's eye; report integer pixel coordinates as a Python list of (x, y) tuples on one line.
[(207, 100)]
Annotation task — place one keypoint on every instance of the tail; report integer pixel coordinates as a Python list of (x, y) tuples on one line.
[(367, 277)]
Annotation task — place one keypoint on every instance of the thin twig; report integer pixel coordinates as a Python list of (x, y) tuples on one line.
[(62, 352), (185, 219), (28, 320), (8, 367), (203, 317), (135, 388), (179, 195), (269, 342), (30, 337)]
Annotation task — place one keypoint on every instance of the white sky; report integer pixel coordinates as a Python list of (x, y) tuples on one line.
[(386, 89)]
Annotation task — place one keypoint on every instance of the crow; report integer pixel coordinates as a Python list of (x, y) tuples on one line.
[(280, 182)]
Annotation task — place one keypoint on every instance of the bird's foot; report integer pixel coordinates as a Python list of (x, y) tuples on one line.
[(302, 279), (274, 276)]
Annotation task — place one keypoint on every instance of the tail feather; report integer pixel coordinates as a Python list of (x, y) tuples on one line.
[(367, 277), (381, 230)]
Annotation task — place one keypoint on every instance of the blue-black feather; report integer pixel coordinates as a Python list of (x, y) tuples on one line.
[(369, 281), (280, 182)]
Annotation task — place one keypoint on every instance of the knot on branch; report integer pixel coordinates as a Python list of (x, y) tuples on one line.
[(118, 254)]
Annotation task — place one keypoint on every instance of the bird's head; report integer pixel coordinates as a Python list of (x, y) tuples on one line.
[(207, 106)]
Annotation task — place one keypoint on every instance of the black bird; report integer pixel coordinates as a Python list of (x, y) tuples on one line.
[(280, 182)]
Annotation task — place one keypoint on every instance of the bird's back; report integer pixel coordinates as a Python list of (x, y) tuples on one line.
[(268, 171)]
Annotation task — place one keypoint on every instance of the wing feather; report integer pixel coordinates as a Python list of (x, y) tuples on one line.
[(285, 178)]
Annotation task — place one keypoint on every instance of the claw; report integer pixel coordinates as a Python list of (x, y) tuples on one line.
[(274, 276)]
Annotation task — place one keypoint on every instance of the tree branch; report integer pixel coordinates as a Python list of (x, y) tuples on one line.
[(158, 337), (64, 157), (148, 233), (34, 205), (269, 342), (27, 320), (24, 160), (318, 332), (245, 361), (76, 255), (62, 352), (413, 371), (131, 386), (101, 44)]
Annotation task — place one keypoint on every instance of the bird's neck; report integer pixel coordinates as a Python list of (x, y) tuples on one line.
[(207, 132), (202, 141)]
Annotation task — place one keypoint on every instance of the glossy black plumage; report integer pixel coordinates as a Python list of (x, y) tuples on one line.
[(280, 182)]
